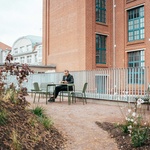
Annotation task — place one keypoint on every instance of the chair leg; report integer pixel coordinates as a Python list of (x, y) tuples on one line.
[(69, 98), (60, 96), (82, 99), (46, 98), (73, 98), (39, 97), (34, 97), (85, 98)]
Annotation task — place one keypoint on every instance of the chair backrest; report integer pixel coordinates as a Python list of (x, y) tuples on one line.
[(43, 86), (84, 87), (36, 86), (148, 89)]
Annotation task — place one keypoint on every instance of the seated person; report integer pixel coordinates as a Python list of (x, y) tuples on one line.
[(67, 78)]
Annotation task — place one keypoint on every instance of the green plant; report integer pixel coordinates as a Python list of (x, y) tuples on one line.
[(12, 95), (33, 121), (15, 142), (47, 122), (3, 117), (39, 111), (21, 71), (134, 126), (139, 135)]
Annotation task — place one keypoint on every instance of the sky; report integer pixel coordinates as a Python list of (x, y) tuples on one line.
[(19, 18)]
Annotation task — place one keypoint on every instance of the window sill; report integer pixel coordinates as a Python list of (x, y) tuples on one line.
[(101, 66), (100, 23), (129, 1), (135, 42)]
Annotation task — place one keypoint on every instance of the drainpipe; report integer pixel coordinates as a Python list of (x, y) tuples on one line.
[(114, 32)]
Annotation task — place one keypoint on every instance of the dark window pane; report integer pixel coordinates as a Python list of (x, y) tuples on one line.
[(100, 10), (136, 59), (100, 49)]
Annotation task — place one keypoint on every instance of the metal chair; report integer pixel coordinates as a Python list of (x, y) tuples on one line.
[(40, 90), (68, 92), (36, 90), (80, 94)]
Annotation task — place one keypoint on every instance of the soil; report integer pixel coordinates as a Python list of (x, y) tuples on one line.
[(123, 140), (74, 127), (28, 134)]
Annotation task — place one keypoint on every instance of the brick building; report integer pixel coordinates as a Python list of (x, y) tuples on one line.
[(91, 34)]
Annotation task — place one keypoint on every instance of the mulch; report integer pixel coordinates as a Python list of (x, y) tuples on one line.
[(123, 140), (30, 134)]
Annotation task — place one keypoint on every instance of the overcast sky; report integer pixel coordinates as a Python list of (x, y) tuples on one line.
[(19, 18)]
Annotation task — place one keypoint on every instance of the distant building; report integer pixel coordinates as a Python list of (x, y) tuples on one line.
[(92, 34), (28, 49), (4, 50)]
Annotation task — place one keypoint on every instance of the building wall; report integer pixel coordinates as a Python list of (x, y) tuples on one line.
[(69, 30), (64, 32), (93, 28), (122, 44), (4, 50)]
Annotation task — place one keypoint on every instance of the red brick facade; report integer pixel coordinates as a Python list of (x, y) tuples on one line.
[(69, 30)]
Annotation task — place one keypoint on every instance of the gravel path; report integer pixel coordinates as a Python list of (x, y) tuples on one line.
[(77, 123)]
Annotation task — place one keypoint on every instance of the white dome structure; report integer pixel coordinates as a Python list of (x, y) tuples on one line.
[(27, 49)]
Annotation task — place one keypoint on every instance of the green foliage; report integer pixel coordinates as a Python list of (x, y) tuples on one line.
[(12, 95), (3, 117), (15, 142), (21, 72), (39, 111), (33, 121), (134, 127), (124, 128), (139, 135), (47, 123)]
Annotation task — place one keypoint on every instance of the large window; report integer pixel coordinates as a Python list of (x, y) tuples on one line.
[(136, 63), (15, 50), (22, 60), (100, 49), (101, 11), (29, 47), (136, 24), (29, 59)]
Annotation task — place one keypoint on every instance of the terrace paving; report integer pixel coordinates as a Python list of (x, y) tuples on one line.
[(77, 122)]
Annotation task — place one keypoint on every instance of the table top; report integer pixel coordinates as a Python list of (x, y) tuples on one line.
[(54, 84)]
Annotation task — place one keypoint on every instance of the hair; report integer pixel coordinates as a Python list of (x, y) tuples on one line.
[(66, 70)]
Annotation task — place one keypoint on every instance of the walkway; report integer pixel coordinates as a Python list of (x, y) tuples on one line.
[(77, 122)]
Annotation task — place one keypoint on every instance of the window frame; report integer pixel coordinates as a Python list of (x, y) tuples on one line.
[(100, 49), (100, 11), (136, 73), (136, 24)]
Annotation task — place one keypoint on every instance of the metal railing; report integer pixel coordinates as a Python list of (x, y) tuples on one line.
[(111, 84)]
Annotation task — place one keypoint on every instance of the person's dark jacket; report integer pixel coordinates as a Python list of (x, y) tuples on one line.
[(68, 78)]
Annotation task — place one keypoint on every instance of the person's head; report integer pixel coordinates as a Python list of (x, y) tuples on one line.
[(66, 72)]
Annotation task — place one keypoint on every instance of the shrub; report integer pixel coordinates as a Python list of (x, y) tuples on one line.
[(21, 71), (47, 122), (39, 111), (139, 135), (134, 126)]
